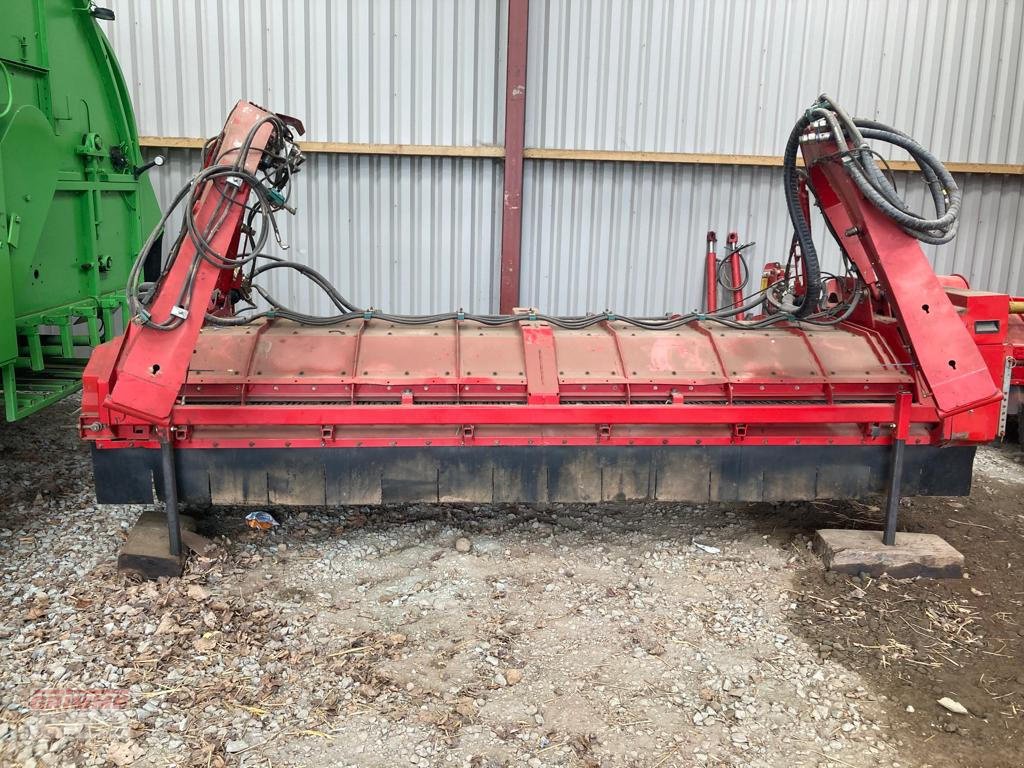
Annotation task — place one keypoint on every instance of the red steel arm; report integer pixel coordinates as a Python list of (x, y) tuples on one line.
[(946, 355), (152, 364)]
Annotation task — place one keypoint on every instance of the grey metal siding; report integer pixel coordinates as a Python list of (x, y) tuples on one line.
[(713, 76), (408, 234), (631, 236), (395, 72), (718, 76), (730, 77)]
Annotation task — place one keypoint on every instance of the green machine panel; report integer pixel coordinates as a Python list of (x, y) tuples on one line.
[(74, 211)]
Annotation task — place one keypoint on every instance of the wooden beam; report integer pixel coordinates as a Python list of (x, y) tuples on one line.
[(769, 161), (623, 156), (992, 168), (171, 142), (348, 148), (593, 155)]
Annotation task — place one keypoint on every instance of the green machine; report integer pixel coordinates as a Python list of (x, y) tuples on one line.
[(75, 203)]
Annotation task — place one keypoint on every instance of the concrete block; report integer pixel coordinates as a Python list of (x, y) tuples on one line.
[(913, 554), (147, 551)]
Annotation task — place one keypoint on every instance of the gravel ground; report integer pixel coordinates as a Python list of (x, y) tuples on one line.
[(494, 636)]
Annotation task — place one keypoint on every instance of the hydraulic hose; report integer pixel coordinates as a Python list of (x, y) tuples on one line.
[(859, 162), (801, 226), (850, 136)]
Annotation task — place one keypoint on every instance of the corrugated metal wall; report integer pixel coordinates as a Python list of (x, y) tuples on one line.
[(611, 235), (731, 76), (409, 233), (425, 72), (725, 76)]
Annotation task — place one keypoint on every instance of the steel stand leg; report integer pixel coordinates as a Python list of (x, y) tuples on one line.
[(901, 430), (892, 502), (171, 496)]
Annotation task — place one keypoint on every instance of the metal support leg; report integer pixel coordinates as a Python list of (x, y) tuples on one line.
[(171, 496), (901, 430), (892, 502)]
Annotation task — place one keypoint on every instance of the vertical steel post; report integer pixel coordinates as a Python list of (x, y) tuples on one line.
[(892, 501), (170, 494), (901, 428), (515, 133)]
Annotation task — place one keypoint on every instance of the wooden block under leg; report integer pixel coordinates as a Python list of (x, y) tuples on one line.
[(913, 554), (147, 551)]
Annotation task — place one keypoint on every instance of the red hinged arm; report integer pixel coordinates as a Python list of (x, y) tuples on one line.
[(152, 364), (946, 355)]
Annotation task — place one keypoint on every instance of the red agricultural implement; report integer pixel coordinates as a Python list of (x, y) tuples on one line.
[(882, 378)]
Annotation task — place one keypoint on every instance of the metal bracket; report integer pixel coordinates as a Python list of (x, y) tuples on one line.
[(946, 355), (542, 383), (91, 146), (1004, 406)]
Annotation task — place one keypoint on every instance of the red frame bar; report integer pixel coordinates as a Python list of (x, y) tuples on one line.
[(300, 426), (682, 414), (729, 436), (515, 136)]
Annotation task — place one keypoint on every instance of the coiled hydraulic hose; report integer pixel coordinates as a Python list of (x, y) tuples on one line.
[(850, 136)]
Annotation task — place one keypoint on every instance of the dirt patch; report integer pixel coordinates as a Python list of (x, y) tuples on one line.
[(647, 635), (919, 641)]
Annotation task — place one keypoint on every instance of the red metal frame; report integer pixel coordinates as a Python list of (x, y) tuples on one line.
[(882, 375)]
